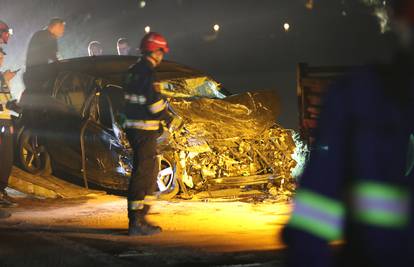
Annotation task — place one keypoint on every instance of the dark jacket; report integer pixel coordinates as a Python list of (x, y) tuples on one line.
[(359, 183), (43, 49), (145, 108)]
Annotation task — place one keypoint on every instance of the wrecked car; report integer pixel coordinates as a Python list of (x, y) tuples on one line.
[(71, 122)]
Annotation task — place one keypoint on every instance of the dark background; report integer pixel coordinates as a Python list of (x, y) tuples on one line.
[(251, 50)]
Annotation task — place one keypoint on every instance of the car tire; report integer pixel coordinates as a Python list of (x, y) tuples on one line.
[(167, 184), (33, 158)]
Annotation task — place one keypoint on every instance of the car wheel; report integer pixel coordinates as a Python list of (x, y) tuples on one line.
[(33, 157), (167, 184)]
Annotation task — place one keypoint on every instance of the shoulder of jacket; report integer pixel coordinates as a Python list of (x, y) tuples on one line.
[(140, 68)]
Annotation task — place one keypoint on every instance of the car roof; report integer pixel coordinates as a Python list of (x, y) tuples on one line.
[(103, 66)]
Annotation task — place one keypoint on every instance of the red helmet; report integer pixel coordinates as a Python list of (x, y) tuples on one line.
[(154, 41), (4, 32)]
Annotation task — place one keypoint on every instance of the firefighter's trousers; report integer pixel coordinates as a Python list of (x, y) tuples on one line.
[(145, 166), (6, 154)]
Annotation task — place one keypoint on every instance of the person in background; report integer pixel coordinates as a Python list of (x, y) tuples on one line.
[(95, 48), (123, 47), (43, 49), (43, 46)]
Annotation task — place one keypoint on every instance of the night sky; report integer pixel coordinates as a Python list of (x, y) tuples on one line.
[(251, 51)]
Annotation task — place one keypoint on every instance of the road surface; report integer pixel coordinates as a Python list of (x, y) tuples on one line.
[(93, 232)]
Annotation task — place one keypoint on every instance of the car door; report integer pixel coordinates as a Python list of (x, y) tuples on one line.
[(71, 90), (107, 153)]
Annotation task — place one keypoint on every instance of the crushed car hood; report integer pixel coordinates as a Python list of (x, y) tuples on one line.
[(244, 115)]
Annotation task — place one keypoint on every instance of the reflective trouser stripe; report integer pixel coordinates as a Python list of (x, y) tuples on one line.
[(157, 106), (133, 98), (143, 125), (136, 205), (381, 204), (318, 215), (139, 204)]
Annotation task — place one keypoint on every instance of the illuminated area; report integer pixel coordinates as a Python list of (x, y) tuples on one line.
[(286, 26), (142, 4), (226, 98), (216, 27), (212, 226)]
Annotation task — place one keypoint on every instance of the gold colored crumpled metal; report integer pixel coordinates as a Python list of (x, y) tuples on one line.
[(241, 135)]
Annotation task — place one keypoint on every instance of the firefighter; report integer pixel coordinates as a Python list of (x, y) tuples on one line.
[(6, 134), (359, 183), (4, 33), (145, 110), (4, 171)]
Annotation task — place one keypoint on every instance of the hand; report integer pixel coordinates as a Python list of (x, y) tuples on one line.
[(8, 75)]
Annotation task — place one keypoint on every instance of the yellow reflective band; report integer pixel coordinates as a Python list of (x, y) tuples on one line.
[(5, 115), (157, 106), (143, 125), (136, 205), (381, 204), (4, 97), (318, 215), (139, 204), (135, 99)]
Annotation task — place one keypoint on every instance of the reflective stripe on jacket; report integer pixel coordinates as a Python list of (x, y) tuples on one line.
[(144, 106)]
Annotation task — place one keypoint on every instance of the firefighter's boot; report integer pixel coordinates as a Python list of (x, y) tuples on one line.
[(138, 225)]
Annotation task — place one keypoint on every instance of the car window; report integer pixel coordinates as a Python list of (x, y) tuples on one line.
[(100, 110), (94, 109), (105, 111), (115, 95), (192, 87), (73, 89)]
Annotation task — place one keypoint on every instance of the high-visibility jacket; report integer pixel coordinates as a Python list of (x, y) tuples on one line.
[(145, 107), (359, 182)]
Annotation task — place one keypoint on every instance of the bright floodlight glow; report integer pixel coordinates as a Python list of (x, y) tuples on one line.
[(147, 29), (216, 27), (142, 4), (286, 26)]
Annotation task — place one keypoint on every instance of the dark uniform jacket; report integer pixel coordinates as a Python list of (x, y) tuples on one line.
[(43, 49), (359, 183), (145, 108)]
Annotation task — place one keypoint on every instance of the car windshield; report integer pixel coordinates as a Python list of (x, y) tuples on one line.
[(192, 87)]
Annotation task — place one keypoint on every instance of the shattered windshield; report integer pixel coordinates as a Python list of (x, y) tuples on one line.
[(192, 87)]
